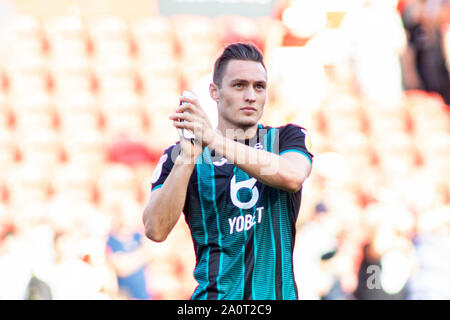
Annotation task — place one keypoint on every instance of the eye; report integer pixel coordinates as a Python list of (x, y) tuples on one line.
[(260, 87), (238, 85)]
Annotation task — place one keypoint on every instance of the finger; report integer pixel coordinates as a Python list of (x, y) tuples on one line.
[(182, 116), (184, 125), (186, 107)]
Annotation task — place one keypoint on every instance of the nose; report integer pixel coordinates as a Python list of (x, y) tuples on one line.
[(250, 95)]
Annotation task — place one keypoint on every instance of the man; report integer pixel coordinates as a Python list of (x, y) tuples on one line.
[(239, 186)]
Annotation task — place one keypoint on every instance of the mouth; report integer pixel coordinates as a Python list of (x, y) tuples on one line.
[(248, 109)]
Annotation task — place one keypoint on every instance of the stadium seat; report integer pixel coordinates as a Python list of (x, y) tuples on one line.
[(115, 74), (33, 111), (71, 74), (159, 77), (41, 147), (75, 182), (23, 35), (383, 119), (66, 34), (189, 28), (25, 72), (117, 181), (435, 151), (160, 131), (6, 116), (342, 114), (199, 42), (78, 111), (234, 28), (397, 153), (110, 36), (28, 182), (430, 117), (154, 37), (124, 113), (355, 147), (8, 150), (87, 147)]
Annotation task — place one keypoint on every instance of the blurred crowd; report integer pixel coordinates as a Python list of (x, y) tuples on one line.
[(84, 101)]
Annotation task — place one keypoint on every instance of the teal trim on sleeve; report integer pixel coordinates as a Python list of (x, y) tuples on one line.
[(157, 187), (298, 151)]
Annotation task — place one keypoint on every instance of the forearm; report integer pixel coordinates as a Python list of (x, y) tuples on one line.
[(164, 206), (267, 167)]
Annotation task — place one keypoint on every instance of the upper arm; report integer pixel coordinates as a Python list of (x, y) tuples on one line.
[(295, 146), (295, 139), (301, 163)]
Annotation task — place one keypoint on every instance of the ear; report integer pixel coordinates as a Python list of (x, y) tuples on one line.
[(214, 92)]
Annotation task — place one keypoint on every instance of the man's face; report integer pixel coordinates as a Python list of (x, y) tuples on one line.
[(242, 95)]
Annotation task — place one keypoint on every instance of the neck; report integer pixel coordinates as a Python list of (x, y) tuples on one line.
[(237, 133)]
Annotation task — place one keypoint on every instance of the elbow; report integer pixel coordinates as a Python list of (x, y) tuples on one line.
[(294, 183), (154, 234), (152, 231)]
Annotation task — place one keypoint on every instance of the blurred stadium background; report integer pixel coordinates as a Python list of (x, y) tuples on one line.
[(85, 91)]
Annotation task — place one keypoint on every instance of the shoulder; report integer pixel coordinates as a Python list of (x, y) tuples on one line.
[(165, 163), (292, 137), (171, 153), (288, 129), (293, 127)]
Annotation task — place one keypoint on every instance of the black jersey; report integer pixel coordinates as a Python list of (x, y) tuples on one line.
[(243, 230)]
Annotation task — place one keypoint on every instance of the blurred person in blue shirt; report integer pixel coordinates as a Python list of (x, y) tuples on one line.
[(129, 255)]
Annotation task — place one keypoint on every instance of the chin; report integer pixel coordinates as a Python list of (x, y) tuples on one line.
[(247, 122)]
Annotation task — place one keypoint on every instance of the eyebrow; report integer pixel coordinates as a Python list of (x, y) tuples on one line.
[(246, 81)]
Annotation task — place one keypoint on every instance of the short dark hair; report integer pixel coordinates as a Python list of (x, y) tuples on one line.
[(235, 51)]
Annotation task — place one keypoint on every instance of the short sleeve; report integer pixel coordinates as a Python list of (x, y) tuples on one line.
[(294, 138), (164, 166)]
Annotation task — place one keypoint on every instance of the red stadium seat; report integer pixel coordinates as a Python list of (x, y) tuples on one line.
[(117, 181), (124, 113), (342, 114), (233, 28), (66, 34), (200, 43), (71, 73), (6, 116), (116, 74), (110, 36), (27, 72), (41, 147), (8, 150), (398, 155), (78, 111), (33, 111), (429, 116), (28, 182), (87, 147), (154, 37), (384, 119), (159, 76), (23, 35), (76, 182)]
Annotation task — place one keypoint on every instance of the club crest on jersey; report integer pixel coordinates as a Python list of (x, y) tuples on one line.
[(259, 146)]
